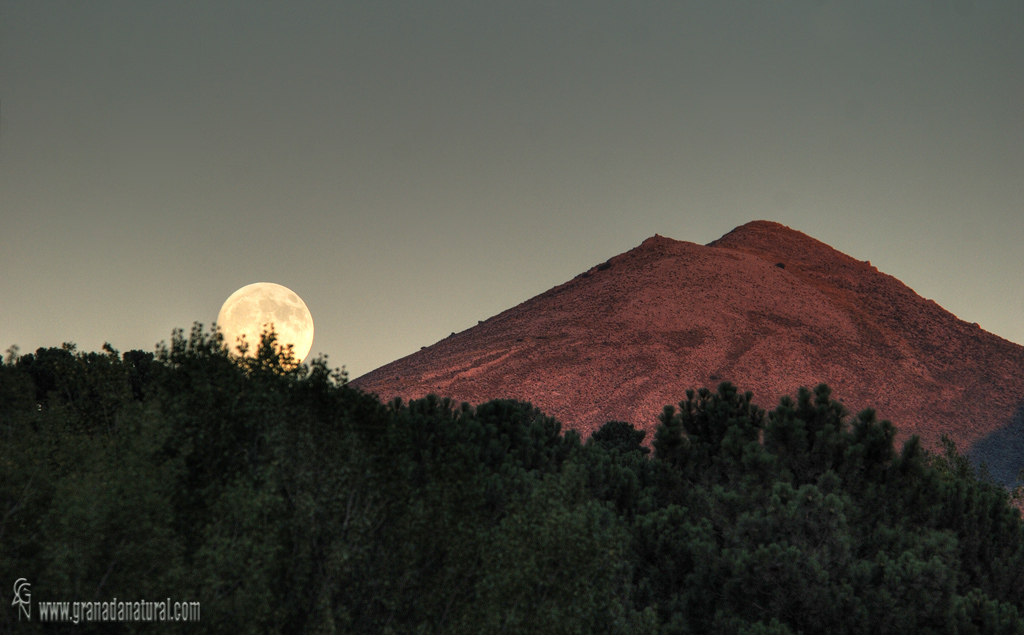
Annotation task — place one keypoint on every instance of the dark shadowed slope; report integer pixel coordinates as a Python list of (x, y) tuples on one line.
[(765, 307)]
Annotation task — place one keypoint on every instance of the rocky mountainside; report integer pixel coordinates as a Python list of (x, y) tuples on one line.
[(765, 307)]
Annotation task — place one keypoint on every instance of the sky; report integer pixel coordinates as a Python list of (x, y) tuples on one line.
[(411, 168)]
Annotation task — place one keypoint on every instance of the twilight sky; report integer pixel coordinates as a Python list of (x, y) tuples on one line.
[(410, 168)]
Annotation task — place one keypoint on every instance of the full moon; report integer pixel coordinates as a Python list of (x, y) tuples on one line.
[(257, 307)]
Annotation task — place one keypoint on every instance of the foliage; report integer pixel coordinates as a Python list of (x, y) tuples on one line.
[(284, 500)]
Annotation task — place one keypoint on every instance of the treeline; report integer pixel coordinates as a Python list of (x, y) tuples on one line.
[(285, 501)]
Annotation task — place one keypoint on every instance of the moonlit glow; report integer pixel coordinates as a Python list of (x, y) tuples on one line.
[(256, 307)]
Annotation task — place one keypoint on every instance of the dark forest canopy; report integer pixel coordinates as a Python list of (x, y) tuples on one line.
[(285, 501)]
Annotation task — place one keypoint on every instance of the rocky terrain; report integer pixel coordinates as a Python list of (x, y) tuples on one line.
[(765, 307)]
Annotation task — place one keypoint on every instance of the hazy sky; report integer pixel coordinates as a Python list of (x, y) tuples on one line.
[(411, 168)]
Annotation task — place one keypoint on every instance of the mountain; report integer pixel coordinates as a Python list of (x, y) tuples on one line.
[(766, 307)]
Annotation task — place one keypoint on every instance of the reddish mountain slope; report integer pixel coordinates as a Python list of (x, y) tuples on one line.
[(765, 307)]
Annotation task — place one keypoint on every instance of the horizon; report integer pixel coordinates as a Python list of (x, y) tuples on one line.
[(212, 325)]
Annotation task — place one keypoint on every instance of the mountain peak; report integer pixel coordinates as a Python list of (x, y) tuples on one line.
[(771, 238), (657, 241), (777, 243), (763, 226)]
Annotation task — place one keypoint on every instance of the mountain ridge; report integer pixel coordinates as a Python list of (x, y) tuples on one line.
[(766, 307)]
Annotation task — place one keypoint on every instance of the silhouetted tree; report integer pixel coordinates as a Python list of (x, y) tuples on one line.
[(285, 500)]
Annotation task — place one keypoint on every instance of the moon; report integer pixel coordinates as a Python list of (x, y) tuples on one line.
[(256, 307)]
